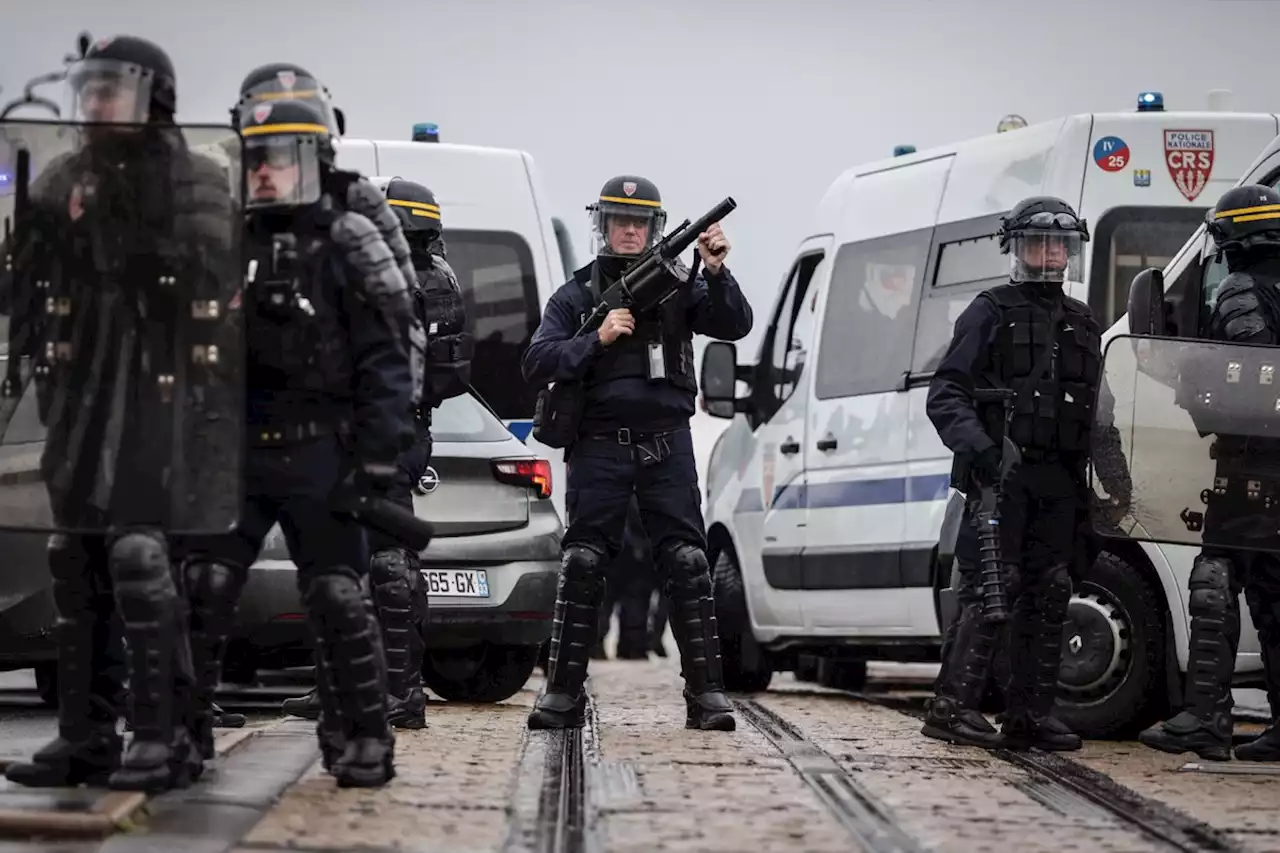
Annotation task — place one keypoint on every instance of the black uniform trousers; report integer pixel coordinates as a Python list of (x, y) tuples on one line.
[(1039, 516)]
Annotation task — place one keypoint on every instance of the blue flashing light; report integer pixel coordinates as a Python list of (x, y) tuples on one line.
[(1150, 102), (900, 150), (6, 182), (427, 131)]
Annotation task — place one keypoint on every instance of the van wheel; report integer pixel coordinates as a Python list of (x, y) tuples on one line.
[(486, 673), (1111, 681), (746, 667)]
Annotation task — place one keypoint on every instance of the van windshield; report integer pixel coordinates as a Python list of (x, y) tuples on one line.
[(1127, 240)]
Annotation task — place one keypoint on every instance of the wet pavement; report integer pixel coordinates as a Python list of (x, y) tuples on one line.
[(808, 769)]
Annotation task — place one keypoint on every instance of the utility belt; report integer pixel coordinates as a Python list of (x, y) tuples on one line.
[(648, 448), (287, 433), (627, 437)]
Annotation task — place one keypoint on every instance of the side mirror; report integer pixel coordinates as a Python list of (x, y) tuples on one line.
[(341, 118), (1146, 304), (719, 378)]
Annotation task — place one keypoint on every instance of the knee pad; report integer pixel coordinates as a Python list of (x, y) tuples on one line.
[(1210, 587), (582, 571), (687, 569), (336, 602), (389, 566), (139, 557), (213, 586)]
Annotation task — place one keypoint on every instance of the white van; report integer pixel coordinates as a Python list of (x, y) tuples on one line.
[(827, 494), (509, 252)]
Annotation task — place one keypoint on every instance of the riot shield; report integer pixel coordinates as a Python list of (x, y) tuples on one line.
[(122, 403), (1186, 446)]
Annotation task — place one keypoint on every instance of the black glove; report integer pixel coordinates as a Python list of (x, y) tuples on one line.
[(986, 467)]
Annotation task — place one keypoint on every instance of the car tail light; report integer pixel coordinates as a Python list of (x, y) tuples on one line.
[(534, 473)]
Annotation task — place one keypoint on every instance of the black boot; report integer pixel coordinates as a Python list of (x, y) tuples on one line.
[(400, 597), (87, 748), (563, 705), (1039, 615), (1265, 747), (349, 643), (1208, 738), (213, 589), (954, 714), (160, 755), (697, 635), (307, 707)]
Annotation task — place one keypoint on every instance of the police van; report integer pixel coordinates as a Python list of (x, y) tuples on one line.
[(828, 493), (509, 252)]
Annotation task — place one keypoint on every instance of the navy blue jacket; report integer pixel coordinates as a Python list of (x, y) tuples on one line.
[(717, 308)]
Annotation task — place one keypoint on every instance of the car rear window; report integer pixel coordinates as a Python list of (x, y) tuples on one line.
[(464, 418)]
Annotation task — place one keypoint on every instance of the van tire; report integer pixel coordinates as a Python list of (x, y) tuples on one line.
[(1124, 614), (745, 664)]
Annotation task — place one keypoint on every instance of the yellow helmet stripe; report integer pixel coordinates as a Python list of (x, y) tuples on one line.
[(419, 208), (1263, 208), (1255, 217), (636, 201), (287, 127)]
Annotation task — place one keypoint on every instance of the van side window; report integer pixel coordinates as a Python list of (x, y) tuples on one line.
[(865, 345), (1127, 240), (787, 362), (965, 269), (500, 289)]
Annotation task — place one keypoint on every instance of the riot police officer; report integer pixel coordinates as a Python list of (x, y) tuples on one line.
[(638, 388), (1245, 226), (136, 234), (395, 572), (1028, 336), (331, 390)]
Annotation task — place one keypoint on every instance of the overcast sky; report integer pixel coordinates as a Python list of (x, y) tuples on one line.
[(765, 100)]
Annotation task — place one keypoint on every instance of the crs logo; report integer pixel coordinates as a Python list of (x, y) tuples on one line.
[(428, 482)]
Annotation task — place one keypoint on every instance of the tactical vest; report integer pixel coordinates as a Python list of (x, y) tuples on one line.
[(296, 339), (629, 355), (1057, 415), (450, 346)]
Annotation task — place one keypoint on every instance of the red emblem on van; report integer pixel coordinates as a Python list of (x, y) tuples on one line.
[(1189, 156)]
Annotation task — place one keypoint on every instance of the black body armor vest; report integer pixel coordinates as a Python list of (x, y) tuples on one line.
[(629, 355), (1057, 415)]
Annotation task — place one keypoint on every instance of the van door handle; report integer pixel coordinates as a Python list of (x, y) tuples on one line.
[(789, 446), (828, 443)]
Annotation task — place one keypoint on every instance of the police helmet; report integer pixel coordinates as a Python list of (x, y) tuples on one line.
[(287, 148), (1044, 239), (285, 81), (415, 206), (123, 80), (627, 200), (1246, 219)]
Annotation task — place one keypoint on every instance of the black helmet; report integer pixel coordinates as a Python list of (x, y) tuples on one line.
[(292, 141), (1246, 220), (627, 198), (1043, 238), (278, 81), (415, 206), (124, 79)]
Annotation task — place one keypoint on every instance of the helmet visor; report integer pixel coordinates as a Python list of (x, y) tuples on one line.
[(1046, 255), (108, 91), (626, 228), (281, 170), (286, 86)]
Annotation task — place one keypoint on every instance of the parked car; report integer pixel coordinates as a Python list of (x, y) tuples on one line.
[(491, 570)]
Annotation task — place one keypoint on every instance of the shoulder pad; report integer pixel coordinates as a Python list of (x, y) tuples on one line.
[(444, 272), (1234, 284), (1237, 312), (365, 250), (1005, 295), (367, 200)]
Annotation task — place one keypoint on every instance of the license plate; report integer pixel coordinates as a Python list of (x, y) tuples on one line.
[(467, 583)]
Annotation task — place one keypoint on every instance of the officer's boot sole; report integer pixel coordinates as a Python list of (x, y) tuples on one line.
[(72, 774), (714, 721), (1206, 748), (959, 738)]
